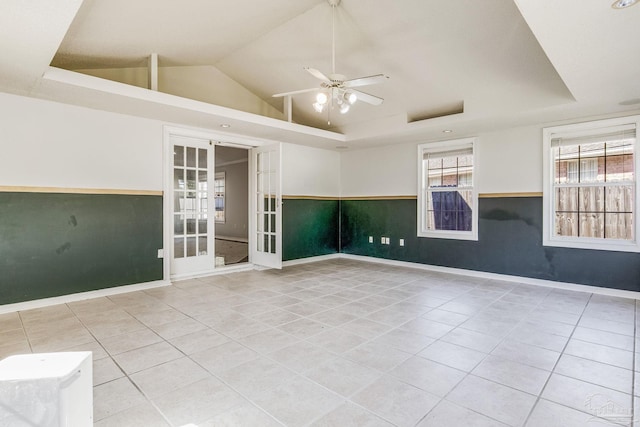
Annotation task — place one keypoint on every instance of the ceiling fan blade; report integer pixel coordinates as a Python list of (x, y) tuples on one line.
[(364, 81), (369, 99), (294, 92), (317, 74)]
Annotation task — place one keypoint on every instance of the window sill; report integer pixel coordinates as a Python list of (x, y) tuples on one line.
[(613, 246), (463, 235)]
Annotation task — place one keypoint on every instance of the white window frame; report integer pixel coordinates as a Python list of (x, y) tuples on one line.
[(453, 145), (549, 237)]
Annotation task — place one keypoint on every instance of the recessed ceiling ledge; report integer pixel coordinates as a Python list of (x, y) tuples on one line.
[(72, 78)]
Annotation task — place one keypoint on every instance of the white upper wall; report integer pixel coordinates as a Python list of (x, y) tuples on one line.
[(48, 144), (509, 161), (308, 171), (380, 171)]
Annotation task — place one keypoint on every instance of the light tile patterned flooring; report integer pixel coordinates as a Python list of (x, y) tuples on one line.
[(347, 343)]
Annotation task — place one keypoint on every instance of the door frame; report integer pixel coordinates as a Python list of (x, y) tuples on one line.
[(218, 139)]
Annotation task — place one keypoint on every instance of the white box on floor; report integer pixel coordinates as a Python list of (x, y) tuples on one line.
[(47, 390)]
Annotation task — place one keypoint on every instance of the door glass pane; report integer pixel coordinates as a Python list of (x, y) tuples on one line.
[(178, 247), (202, 180), (191, 246), (191, 224), (260, 223), (260, 242), (202, 224), (178, 179), (178, 201), (273, 244), (202, 245), (178, 155), (190, 202), (265, 237), (202, 158), (203, 202), (191, 157), (191, 179), (178, 225)]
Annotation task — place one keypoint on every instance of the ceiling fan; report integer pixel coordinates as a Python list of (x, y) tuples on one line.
[(335, 90)]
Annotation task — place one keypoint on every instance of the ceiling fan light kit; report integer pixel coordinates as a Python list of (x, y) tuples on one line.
[(618, 4), (335, 90)]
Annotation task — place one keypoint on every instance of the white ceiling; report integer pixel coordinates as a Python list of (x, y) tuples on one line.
[(509, 63)]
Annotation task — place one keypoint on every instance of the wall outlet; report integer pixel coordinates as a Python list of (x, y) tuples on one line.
[(401, 242), (370, 239), (160, 253), (387, 241), (382, 240)]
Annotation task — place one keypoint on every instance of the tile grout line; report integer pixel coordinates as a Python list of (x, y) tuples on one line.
[(126, 375), (467, 374), (539, 396), (24, 330), (556, 364)]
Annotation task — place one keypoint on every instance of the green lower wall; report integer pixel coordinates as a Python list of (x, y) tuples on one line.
[(59, 244), (309, 228), (509, 242)]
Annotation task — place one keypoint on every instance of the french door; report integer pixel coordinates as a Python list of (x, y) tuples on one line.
[(266, 227), (192, 201)]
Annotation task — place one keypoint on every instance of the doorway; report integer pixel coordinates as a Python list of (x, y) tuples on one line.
[(222, 203), (231, 195)]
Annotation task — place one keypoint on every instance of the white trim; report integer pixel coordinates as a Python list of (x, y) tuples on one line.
[(548, 199), (65, 299), (504, 277)]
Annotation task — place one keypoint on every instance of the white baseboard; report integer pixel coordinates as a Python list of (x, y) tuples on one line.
[(496, 276), (28, 305), (63, 299)]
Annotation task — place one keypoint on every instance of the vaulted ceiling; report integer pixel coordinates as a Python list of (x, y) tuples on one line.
[(461, 65)]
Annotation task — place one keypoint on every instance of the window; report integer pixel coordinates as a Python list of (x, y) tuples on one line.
[(219, 190), (447, 199), (591, 188)]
